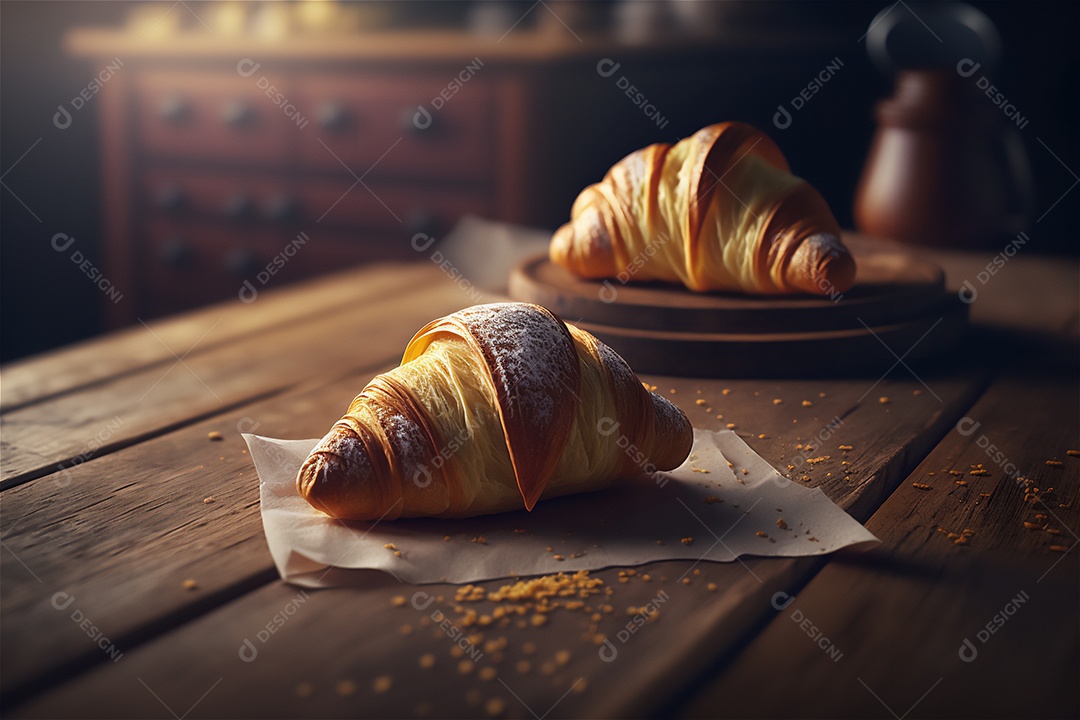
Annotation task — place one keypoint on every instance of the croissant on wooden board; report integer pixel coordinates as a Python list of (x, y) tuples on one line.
[(718, 210), (492, 408)]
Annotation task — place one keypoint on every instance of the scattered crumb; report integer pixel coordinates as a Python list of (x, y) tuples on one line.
[(916, 392), (883, 400), (190, 584), (558, 557), (687, 541), (845, 448), (1054, 463), (711, 500), (1031, 525), (711, 587), (538, 620), (699, 401), (1073, 453), (730, 426), (979, 472), (806, 403), (1059, 548), (382, 684), (777, 401), (215, 435), (961, 482), (480, 540), (920, 486), (781, 524), (725, 391), (761, 534), (209, 500), (390, 546), (398, 601)]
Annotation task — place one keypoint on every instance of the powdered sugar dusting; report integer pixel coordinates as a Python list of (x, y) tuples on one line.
[(530, 351), (621, 373), (405, 436)]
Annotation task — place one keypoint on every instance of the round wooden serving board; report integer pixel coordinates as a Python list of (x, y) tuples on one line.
[(669, 330)]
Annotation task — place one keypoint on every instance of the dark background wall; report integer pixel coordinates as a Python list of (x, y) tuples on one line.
[(50, 176)]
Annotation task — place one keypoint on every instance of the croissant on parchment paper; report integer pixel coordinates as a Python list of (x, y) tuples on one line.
[(718, 210), (492, 408)]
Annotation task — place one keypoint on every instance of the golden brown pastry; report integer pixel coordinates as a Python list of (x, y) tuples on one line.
[(491, 409), (718, 210)]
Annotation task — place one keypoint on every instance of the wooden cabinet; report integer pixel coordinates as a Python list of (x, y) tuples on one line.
[(217, 155), (216, 164)]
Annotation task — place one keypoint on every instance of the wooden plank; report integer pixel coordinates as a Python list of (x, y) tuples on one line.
[(903, 616), (146, 494), (352, 635), (94, 361), (38, 439)]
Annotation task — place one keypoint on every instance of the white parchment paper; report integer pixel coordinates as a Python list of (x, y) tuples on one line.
[(723, 511)]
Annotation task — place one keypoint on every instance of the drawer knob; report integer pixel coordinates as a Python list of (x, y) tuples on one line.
[(174, 109), (333, 116), (171, 198), (422, 220), (242, 263), (238, 114), (177, 253), (239, 207), (416, 122), (282, 208)]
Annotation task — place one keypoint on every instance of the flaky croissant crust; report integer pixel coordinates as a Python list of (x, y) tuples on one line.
[(491, 408), (718, 210)]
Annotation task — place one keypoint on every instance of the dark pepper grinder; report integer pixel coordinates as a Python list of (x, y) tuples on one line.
[(944, 168)]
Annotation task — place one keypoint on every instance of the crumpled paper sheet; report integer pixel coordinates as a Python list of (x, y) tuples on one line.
[(726, 512)]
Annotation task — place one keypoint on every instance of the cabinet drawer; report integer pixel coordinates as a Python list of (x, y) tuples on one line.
[(235, 197), (213, 116), (389, 207), (188, 263), (368, 124)]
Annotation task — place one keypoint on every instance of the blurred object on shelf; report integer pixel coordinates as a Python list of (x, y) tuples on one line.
[(703, 18), (636, 23), (153, 20), (492, 19), (943, 168), (228, 19)]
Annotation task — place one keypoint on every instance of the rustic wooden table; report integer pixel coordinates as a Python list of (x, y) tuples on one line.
[(134, 566)]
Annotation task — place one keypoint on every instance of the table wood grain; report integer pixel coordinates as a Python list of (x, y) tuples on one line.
[(96, 552)]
